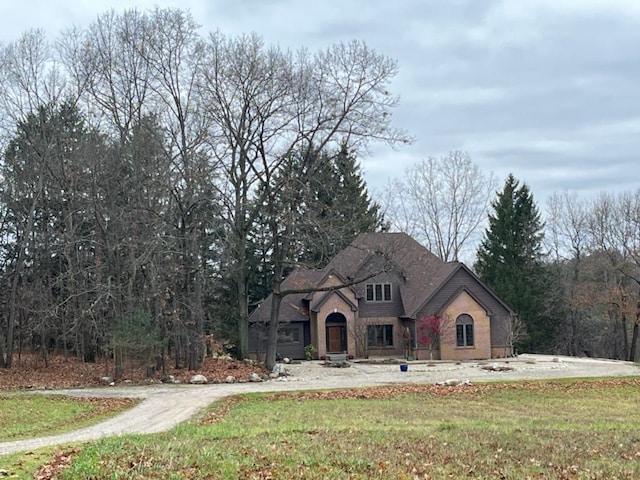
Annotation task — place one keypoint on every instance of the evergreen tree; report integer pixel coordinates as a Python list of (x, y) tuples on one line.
[(328, 206), (510, 261), (335, 207)]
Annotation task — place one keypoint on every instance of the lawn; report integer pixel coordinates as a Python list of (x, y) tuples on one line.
[(566, 430), (28, 416)]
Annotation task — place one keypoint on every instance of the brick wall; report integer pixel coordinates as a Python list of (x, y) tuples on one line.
[(465, 304)]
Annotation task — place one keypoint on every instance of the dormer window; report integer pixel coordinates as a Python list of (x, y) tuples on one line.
[(378, 292)]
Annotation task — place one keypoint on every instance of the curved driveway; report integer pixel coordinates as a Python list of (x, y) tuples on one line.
[(165, 406)]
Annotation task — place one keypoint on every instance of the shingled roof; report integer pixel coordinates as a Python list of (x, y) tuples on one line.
[(424, 273)]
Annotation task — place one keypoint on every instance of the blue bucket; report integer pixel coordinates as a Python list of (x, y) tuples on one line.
[(404, 367)]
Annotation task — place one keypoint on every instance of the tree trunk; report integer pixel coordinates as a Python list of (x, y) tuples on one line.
[(118, 363), (11, 321), (12, 307), (625, 336), (634, 343), (272, 337), (198, 347), (573, 347), (1, 350), (243, 304), (634, 336), (44, 346)]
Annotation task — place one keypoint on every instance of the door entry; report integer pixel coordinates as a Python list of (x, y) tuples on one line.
[(336, 339)]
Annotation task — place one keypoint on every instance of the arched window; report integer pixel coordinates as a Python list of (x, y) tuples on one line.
[(464, 331)]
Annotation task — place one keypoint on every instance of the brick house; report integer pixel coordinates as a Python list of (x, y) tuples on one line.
[(406, 302)]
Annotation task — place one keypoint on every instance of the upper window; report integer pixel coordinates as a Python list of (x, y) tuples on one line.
[(378, 292), (464, 331)]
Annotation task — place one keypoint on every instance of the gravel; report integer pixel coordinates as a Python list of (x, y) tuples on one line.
[(165, 406)]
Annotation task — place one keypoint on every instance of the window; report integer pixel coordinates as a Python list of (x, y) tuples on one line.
[(380, 335), (464, 331), (289, 334), (378, 292)]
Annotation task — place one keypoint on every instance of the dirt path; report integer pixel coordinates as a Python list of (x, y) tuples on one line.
[(165, 406)]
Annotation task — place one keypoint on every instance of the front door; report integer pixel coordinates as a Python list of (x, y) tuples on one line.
[(336, 339)]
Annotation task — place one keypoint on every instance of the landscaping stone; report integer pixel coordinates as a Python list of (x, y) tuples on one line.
[(198, 380), (453, 382), (497, 368), (279, 369)]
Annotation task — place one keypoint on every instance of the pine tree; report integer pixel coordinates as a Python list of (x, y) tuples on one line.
[(328, 204), (510, 261), (336, 207)]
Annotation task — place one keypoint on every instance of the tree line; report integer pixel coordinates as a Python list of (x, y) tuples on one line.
[(158, 183), (572, 276)]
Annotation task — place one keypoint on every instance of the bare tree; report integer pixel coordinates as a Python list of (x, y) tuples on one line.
[(31, 77), (109, 66), (183, 125), (268, 105), (517, 331), (569, 242), (137, 73), (360, 333), (615, 226), (29, 80), (175, 55), (442, 202)]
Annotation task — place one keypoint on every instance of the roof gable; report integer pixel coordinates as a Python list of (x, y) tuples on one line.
[(315, 306), (456, 294), (323, 280), (445, 277)]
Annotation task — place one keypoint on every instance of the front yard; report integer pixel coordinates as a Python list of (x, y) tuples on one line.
[(563, 429)]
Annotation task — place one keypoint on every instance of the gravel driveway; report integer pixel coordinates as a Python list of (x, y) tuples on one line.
[(164, 406)]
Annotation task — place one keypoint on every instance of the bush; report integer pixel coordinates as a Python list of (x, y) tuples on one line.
[(310, 352)]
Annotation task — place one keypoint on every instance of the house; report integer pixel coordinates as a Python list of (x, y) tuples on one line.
[(400, 300)]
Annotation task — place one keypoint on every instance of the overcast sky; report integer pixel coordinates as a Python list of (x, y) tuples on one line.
[(545, 89)]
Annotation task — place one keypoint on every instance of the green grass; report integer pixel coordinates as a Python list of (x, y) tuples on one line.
[(22, 466), (567, 430), (28, 416)]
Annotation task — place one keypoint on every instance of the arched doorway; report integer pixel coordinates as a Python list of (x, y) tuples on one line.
[(336, 330)]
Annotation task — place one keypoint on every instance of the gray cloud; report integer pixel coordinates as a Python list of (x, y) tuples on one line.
[(544, 89)]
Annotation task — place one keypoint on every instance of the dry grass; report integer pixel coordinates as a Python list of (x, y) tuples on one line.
[(565, 430)]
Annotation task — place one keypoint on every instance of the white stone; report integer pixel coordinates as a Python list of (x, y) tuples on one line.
[(198, 380), (279, 369)]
